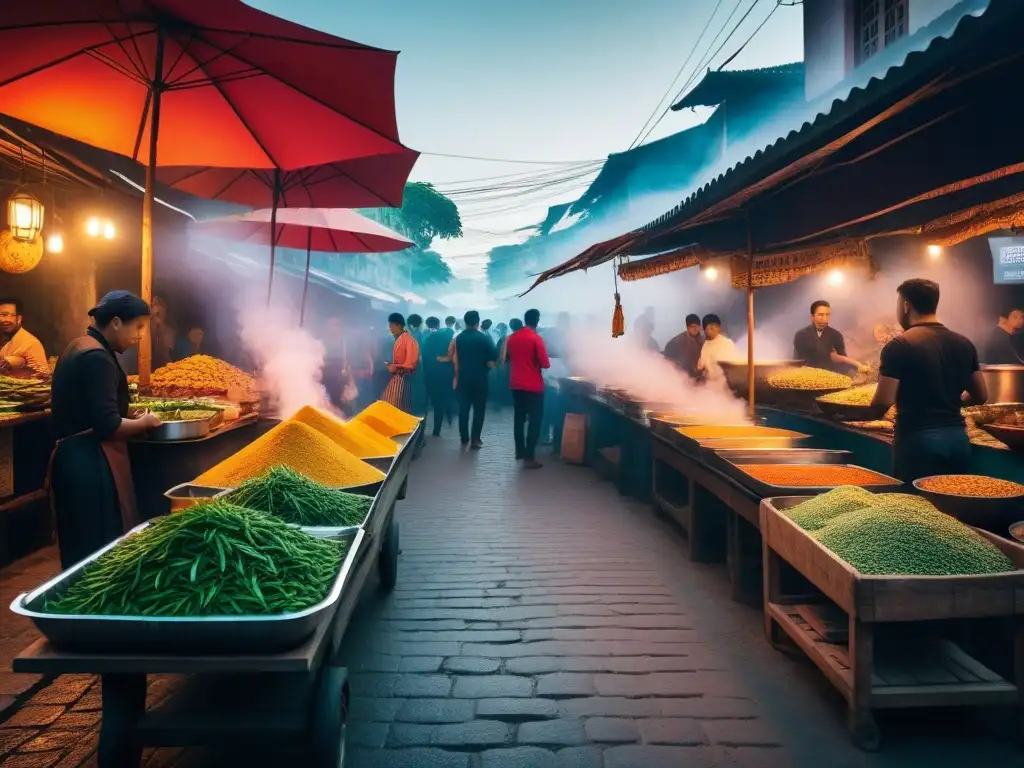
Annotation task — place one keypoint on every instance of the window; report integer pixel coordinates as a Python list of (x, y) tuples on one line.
[(880, 23)]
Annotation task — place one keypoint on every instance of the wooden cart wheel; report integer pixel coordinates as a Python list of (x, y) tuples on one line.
[(864, 730), (387, 563), (402, 489), (330, 717)]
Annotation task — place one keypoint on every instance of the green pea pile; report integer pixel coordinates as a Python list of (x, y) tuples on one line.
[(294, 498), (214, 559), (897, 536), (814, 513)]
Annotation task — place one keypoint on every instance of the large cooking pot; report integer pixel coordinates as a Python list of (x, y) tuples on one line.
[(1005, 383)]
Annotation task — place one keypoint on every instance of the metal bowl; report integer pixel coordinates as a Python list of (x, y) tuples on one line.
[(1011, 437), (1017, 531), (994, 514), (736, 376)]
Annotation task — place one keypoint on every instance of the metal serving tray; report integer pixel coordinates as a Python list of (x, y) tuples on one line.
[(172, 634), (726, 458), (172, 431), (189, 494), (764, 490), (696, 445)]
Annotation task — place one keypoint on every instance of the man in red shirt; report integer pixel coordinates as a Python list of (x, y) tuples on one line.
[(527, 357)]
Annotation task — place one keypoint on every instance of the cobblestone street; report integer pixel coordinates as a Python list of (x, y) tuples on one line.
[(541, 620)]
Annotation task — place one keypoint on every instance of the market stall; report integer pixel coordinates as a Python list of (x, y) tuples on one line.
[(261, 577)]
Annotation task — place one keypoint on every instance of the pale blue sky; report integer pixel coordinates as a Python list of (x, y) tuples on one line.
[(537, 80)]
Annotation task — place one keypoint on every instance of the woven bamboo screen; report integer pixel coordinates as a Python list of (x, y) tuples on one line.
[(781, 268)]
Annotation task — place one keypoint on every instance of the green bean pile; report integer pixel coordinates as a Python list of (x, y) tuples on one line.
[(214, 559), (293, 497)]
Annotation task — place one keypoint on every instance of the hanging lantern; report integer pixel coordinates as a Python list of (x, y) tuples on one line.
[(18, 256), (24, 216)]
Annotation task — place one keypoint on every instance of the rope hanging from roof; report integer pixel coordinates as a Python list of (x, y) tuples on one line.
[(661, 264), (781, 268)]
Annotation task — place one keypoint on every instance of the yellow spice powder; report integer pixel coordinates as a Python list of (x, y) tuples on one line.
[(298, 446), (730, 430), (387, 420), (354, 437)]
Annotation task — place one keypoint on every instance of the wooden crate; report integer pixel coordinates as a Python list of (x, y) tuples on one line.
[(937, 673)]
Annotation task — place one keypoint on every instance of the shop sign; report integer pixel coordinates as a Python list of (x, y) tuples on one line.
[(1007, 260)]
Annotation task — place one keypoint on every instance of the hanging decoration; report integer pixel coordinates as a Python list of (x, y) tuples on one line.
[(18, 256), (618, 318), (781, 268), (24, 216), (661, 264)]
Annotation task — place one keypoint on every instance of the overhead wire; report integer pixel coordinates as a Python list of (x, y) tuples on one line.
[(504, 159), (778, 4)]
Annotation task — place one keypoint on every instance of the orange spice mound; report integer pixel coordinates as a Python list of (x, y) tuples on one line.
[(975, 486), (815, 475), (356, 438), (299, 447), (732, 430), (387, 420)]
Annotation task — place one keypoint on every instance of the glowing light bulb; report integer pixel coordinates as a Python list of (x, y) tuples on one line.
[(934, 251), (55, 244), (93, 227), (22, 216), (710, 273), (835, 277), (108, 230)]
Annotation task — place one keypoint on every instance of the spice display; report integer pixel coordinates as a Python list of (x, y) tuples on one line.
[(732, 430), (814, 513), (284, 493), (299, 447), (892, 537), (214, 559), (975, 486), (355, 437), (809, 379), (201, 375), (862, 395), (815, 475), (387, 420)]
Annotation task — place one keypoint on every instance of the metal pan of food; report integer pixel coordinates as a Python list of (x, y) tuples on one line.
[(713, 438), (723, 458), (1010, 436), (984, 502), (807, 479), (183, 429), (189, 494), (844, 411), (173, 634), (736, 374)]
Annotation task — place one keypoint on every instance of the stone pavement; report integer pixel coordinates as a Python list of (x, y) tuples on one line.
[(541, 620)]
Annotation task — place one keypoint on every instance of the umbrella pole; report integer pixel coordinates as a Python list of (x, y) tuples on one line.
[(156, 88), (273, 231), (751, 378), (305, 280)]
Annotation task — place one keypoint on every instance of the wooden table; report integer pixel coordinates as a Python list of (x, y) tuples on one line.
[(841, 623)]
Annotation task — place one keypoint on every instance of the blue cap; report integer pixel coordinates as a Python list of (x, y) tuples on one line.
[(123, 304)]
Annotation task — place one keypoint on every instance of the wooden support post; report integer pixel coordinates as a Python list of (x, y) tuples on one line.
[(751, 378)]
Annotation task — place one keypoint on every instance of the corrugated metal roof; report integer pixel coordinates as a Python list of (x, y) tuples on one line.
[(722, 85)]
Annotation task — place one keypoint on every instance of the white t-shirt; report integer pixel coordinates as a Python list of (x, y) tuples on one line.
[(714, 351)]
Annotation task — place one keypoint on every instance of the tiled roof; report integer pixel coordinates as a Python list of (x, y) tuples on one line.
[(719, 86)]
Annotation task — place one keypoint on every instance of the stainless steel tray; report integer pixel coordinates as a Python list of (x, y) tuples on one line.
[(171, 431), (698, 445), (727, 456), (176, 635), (764, 490), (188, 495)]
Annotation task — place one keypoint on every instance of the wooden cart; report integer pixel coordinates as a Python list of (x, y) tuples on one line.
[(840, 636), (299, 697)]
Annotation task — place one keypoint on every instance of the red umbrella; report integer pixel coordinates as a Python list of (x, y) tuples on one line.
[(334, 230), (195, 83)]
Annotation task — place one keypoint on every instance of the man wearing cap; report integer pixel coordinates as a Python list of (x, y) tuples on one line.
[(90, 477)]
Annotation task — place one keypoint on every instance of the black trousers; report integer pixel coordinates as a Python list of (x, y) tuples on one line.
[(528, 413), (472, 396), (441, 398)]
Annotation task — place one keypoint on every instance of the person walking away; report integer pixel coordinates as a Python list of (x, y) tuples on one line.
[(439, 371), (684, 349), (404, 361), (21, 353), (92, 498), (717, 347), (474, 358), (501, 396), (926, 373), (999, 347), (528, 358), (820, 345)]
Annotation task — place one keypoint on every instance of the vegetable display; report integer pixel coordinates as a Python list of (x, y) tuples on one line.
[(815, 475), (387, 420), (215, 559), (892, 537), (299, 447), (814, 513), (808, 379), (286, 494), (355, 437), (975, 486)]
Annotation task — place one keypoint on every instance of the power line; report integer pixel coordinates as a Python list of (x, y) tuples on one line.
[(778, 4), (518, 174), (675, 79), (508, 160)]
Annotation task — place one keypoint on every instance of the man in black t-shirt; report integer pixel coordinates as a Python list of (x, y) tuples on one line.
[(999, 347), (475, 356), (926, 372), (820, 345)]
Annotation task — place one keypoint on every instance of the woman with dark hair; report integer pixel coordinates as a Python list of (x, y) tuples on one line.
[(90, 477), (405, 358)]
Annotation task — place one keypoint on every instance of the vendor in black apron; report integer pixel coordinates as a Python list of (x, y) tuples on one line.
[(91, 491), (930, 373)]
